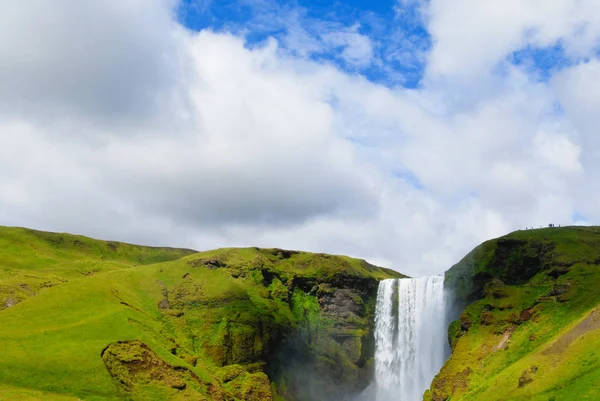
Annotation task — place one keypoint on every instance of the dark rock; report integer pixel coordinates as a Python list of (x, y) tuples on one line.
[(341, 280), (285, 254), (526, 315), (208, 263), (164, 304), (478, 282), (513, 318), (487, 318), (330, 357), (280, 253), (174, 312), (525, 379), (341, 304), (527, 376), (559, 271), (465, 322), (10, 302), (519, 260), (559, 289), (176, 383)]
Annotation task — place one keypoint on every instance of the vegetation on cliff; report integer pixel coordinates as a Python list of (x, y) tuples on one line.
[(531, 330), (97, 320)]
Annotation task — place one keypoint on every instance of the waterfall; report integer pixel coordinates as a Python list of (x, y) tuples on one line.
[(410, 336)]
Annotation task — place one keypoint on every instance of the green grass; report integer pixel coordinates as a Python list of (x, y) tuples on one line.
[(493, 372), (23, 394), (32, 261), (226, 308)]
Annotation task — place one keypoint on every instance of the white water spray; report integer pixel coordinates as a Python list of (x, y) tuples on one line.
[(410, 336)]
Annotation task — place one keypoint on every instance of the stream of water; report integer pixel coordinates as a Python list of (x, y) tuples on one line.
[(410, 336)]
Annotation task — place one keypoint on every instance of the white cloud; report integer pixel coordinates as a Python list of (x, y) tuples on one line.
[(578, 89), (471, 37), (135, 129), (357, 49), (555, 150), (107, 60)]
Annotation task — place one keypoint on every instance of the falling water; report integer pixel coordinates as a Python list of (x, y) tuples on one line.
[(410, 336)]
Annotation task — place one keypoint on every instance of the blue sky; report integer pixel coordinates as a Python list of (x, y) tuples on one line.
[(396, 30)]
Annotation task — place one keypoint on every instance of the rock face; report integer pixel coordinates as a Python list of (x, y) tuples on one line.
[(9, 302), (330, 357), (342, 304)]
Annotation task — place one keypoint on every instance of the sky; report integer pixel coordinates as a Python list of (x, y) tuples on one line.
[(403, 132)]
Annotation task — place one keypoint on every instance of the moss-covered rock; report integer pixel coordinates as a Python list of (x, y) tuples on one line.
[(141, 374), (244, 385)]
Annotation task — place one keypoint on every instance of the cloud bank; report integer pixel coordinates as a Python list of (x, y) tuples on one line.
[(116, 121)]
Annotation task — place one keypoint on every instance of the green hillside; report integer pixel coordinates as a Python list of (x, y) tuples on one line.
[(100, 320), (96, 320), (31, 261), (531, 330)]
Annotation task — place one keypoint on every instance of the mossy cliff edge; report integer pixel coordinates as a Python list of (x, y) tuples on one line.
[(531, 326), (97, 320)]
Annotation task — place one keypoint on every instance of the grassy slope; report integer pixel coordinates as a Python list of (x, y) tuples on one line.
[(79, 295), (554, 274), (24, 394), (31, 261)]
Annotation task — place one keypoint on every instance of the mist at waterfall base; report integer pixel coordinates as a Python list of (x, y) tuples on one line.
[(411, 343)]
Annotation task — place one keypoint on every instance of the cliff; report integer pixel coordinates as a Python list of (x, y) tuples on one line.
[(530, 322), (89, 319)]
